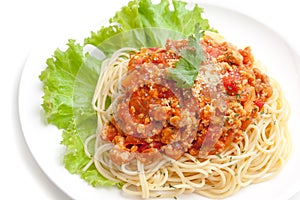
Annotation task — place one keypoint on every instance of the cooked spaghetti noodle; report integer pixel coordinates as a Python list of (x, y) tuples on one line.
[(255, 154)]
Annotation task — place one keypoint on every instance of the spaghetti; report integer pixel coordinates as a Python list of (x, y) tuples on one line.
[(213, 164)]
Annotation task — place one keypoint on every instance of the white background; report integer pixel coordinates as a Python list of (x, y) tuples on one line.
[(23, 24)]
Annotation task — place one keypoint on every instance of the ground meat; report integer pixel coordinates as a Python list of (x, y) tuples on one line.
[(154, 117), (242, 88)]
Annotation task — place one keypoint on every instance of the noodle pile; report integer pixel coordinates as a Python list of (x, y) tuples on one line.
[(259, 156)]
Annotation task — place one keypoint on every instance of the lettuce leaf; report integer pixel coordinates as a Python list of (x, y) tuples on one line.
[(70, 77), (142, 14), (75, 159), (146, 14), (58, 81)]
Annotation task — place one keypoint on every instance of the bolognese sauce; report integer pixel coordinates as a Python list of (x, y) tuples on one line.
[(242, 88), (154, 117)]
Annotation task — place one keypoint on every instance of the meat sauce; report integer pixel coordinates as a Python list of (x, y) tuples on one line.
[(153, 117), (245, 89)]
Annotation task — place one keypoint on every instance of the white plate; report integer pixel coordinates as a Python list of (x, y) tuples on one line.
[(44, 140)]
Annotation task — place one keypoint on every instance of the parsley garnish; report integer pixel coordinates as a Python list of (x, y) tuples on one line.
[(186, 69), (219, 155)]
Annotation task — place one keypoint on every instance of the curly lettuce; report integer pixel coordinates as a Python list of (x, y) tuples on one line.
[(70, 77)]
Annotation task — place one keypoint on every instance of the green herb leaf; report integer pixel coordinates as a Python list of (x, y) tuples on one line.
[(219, 156), (187, 67)]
